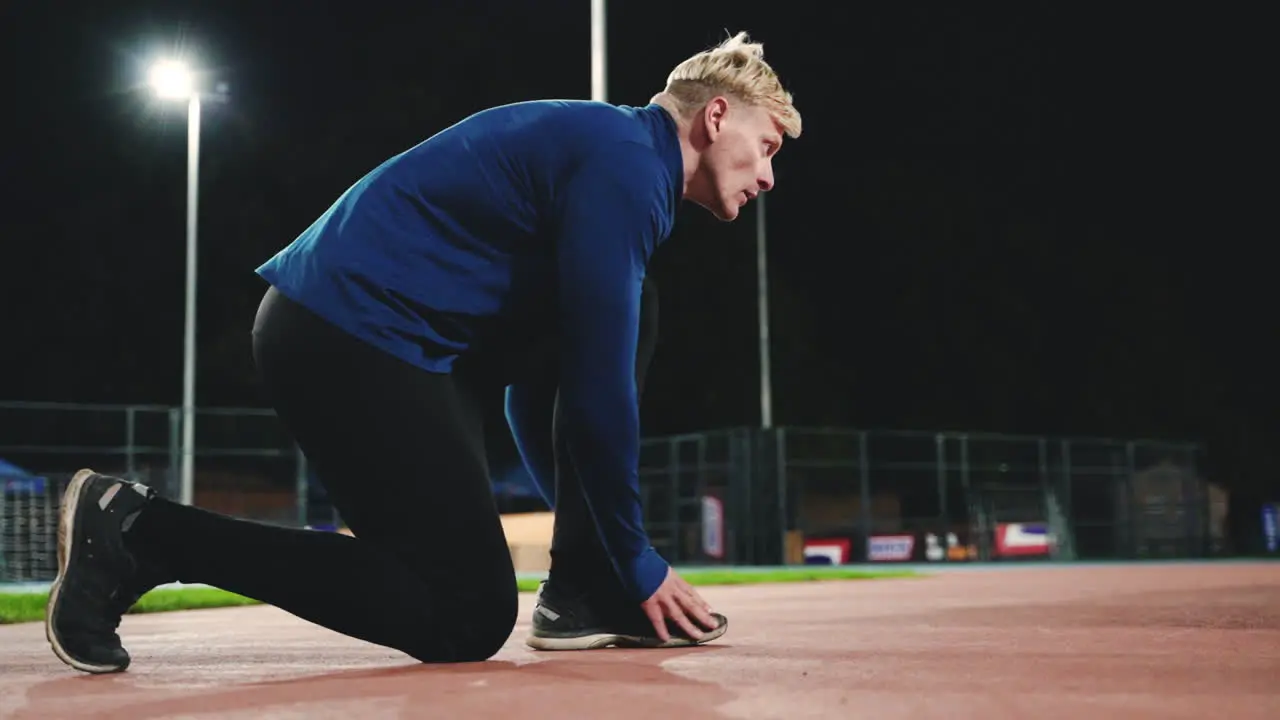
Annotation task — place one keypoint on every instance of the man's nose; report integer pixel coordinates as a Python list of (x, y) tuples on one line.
[(765, 180)]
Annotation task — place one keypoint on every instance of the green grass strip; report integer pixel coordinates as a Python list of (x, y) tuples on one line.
[(803, 573), (23, 607), (29, 606)]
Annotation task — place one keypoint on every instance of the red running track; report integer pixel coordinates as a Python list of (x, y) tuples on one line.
[(1157, 641)]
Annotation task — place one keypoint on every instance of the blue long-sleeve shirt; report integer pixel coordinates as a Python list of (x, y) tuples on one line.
[(519, 221)]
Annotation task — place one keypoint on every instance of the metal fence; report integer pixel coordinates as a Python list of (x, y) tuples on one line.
[(246, 466), (793, 495), (246, 463), (736, 496), (29, 527)]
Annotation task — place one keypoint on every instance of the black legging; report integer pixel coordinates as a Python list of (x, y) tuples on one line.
[(578, 560), (400, 452)]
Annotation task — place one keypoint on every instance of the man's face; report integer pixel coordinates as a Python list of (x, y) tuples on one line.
[(738, 160)]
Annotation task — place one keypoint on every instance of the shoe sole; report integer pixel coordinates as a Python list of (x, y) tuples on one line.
[(66, 536), (597, 641)]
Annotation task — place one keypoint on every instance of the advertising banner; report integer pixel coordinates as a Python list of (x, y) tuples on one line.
[(831, 551), (927, 546), (891, 548), (713, 527), (1023, 539)]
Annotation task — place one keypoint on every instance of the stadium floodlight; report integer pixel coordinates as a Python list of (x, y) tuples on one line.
[(172, 79)]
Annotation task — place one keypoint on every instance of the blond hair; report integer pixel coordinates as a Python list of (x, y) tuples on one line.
[(735, 67)]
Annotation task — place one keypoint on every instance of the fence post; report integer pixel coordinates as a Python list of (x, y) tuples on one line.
[(130, 440), (699, 498), (780, 460), (940, 459), (1131, 505), (977, 511), (175, 450), (1068, 509), (1042, 447), (673, 485), (1042, 463), (1198, 512), (300, 482), (864, 487), (745, 527), (1049, 502)]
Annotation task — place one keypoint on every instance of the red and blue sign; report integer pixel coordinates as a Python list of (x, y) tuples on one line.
[(1023, 539)]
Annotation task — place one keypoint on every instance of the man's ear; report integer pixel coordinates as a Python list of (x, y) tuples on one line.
[(713, 116)]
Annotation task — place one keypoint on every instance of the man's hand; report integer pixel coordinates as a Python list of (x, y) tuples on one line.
[(676, 599)]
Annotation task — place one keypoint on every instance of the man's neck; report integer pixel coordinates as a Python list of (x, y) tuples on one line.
[(688, 154)]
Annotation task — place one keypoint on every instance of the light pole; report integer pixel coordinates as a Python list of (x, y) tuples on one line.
[(174, 80), (599, 52), (762, 304)]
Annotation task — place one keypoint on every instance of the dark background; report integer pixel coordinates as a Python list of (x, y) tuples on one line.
[(1022, 219)]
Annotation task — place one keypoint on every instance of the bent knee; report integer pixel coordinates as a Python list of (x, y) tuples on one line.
[(485, 635), (470, 629)]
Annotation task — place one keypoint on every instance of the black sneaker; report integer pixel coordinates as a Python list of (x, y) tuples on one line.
[(97, 576), (573, 622)]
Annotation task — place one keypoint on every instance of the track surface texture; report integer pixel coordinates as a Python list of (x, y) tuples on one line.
[(1159, 641)]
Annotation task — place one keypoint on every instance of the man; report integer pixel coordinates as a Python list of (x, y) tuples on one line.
[(507, 251)]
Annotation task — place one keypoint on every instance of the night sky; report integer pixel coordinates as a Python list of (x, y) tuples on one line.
[(995, 220)]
